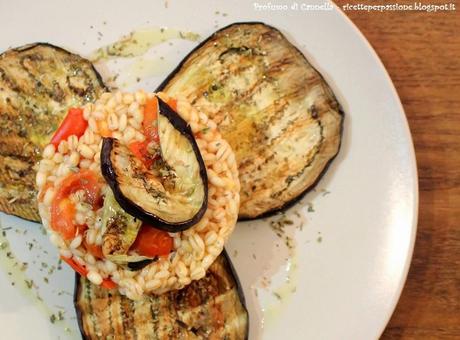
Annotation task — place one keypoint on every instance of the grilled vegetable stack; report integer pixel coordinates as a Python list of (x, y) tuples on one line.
[(144, 182)]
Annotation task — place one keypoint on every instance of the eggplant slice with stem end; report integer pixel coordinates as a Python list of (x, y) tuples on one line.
[(38, 83), (276, 111), (210, 308), (172, 194)]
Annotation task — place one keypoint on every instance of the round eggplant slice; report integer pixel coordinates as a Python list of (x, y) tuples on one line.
[(170, 195), (38, 84), (276, 111), (193, 312)]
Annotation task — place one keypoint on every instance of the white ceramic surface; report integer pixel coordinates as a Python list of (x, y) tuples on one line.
[(352, 254)]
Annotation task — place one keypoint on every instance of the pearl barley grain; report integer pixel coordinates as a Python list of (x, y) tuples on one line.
[(49, 151), (94, 277), (86, 151)]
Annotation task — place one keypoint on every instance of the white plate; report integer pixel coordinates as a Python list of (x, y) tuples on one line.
[(354, 250)]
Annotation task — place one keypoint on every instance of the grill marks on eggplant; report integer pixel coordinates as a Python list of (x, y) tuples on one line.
[(154, 319), (272, 106), (38, 83), (208, 308), (91, 311), (127, 315)]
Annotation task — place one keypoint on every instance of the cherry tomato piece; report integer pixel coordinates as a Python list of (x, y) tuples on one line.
[(152, 242)]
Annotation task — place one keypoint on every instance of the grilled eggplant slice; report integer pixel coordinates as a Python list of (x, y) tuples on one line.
[(172, 194), (276, 111), (38, 84), (119, 231), (210, 308)]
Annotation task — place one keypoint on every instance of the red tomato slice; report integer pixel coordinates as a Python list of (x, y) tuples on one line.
[(85, 180), (152, 242), (139, 149), (108, 284), (73, 124), (173, 104), (150, 122), (62, 208), (62, 215), (93, 249)]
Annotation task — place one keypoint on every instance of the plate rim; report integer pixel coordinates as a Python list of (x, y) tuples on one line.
[(413, 161)]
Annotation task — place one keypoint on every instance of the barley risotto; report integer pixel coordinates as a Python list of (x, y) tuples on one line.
[(88, 218)]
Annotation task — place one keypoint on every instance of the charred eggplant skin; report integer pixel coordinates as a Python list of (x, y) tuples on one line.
[(140, 264), (164, 84), (239, 287), (78, 312), (110, 175)]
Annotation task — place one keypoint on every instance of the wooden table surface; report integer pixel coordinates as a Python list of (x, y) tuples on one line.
[(421, 52)]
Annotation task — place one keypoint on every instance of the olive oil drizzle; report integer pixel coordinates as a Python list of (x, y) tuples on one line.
[(16, 273), (139, 42)]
